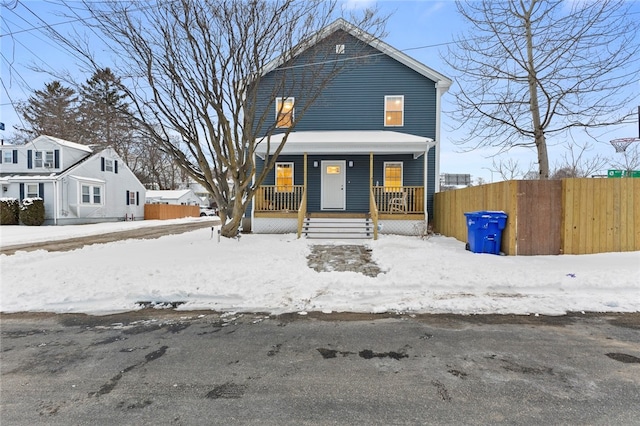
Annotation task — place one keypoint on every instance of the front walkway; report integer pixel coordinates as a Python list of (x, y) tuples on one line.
[(343, 258)]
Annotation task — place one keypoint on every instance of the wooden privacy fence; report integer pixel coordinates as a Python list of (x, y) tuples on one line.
[(169, 211), (570, 216)]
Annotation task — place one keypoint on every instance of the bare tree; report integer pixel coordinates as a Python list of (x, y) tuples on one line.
[(630, 160), (508, 169), (575, 162), (532, 69), (194, 69)]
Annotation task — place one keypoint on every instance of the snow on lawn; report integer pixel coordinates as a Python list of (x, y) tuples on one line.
[(270, 273)]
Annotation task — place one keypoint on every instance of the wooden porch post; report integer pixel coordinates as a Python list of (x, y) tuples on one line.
[(372, 202), (304, 181)]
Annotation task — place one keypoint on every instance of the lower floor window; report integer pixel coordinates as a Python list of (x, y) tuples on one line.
[(91, 194), (284, 177), (32, 190), (392, 176)]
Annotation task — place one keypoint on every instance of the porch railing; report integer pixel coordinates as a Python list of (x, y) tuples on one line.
[(302, 212), (272, 198), (373, 209), (399, 200)]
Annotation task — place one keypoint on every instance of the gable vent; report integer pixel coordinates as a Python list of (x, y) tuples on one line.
[(339, 49)]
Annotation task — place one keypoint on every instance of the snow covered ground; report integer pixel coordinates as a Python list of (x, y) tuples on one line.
[(270, 273)]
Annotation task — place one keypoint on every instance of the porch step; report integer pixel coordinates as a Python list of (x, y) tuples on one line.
[(337, 228)]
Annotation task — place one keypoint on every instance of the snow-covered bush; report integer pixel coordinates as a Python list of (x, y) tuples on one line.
[(32, 211), (9, 211)]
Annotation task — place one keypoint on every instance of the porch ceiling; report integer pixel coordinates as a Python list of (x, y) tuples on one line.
[(348, 142)]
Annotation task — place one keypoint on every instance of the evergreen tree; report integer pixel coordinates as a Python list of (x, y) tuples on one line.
[(105, 113), (53, 112)]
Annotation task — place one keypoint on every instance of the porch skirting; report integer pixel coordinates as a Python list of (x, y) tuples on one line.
[(399, 227), (274, 225), (278, 225)]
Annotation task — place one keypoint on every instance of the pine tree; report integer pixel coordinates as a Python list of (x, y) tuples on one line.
[(53, 112), (105, 114)]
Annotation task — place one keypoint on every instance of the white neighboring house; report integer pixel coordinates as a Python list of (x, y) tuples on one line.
[(185, 197), (77, 183)]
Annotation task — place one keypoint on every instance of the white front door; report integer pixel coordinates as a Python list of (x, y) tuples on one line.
[(333, 185)]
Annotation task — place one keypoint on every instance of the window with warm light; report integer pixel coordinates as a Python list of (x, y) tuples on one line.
[(392, 177), (284, 112), (284, 177), (394, 110)]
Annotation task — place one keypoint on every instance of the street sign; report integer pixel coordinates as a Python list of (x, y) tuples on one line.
[(623, 173)]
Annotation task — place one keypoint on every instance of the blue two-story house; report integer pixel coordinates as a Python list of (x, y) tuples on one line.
[(363, 157)]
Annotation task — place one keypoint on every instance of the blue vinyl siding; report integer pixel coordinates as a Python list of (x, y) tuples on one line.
[(357, 177), (354, 100)]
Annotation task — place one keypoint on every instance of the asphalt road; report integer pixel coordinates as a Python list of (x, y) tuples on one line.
[(164, 367)]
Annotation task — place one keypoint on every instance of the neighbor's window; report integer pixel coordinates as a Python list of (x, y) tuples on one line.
[(7, 156), (132, 198), (392, 177), (91, 194), (108, 165), (32, 190), (394, 110), (284, 112), (97, 196), (43, 159), (284, 177)]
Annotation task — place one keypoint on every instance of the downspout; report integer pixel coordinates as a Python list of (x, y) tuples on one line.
[(440, 90), (55, 201)]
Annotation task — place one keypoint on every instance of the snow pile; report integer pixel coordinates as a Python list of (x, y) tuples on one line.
[(270, 273)]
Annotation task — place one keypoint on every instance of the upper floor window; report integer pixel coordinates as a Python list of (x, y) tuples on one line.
[(7, 156), (108, 165), (43, 159), (394, 110), (393, 176), (284, 112), (284, 177)]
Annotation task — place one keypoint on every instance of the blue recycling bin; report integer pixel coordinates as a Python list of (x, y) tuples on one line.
[(484, 231)]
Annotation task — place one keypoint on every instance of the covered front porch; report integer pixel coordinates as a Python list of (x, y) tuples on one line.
[(384, 185)]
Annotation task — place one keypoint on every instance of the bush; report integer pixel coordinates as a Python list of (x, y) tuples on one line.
[(32, 211), (9, 211)]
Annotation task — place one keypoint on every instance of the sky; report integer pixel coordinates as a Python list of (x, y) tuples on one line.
[(436, 275), (420, 28)]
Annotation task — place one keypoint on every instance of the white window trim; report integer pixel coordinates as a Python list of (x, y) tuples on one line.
[(132, 198), (275, 180), (385, 111), (7, 156), (293, 110), (91, 187), (42, 162), (108, 165), (384, 172), (28, 194)]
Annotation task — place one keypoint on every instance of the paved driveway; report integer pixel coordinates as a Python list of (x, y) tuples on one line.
[(200, 368)]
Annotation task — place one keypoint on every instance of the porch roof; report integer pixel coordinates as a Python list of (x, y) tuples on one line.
[(347, 142)]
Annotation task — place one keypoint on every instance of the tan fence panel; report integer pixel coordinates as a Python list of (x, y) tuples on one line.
[(169, 211), (572, 216), (450, 207), (601, 215)]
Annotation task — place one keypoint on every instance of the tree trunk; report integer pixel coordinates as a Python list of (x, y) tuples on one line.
[(538, 130)]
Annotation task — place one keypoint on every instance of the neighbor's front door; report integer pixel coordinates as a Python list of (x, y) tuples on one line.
[(333, 185)]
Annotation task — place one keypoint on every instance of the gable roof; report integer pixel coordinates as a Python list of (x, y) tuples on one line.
[(376, 43), (63, 142), (169, 194)]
